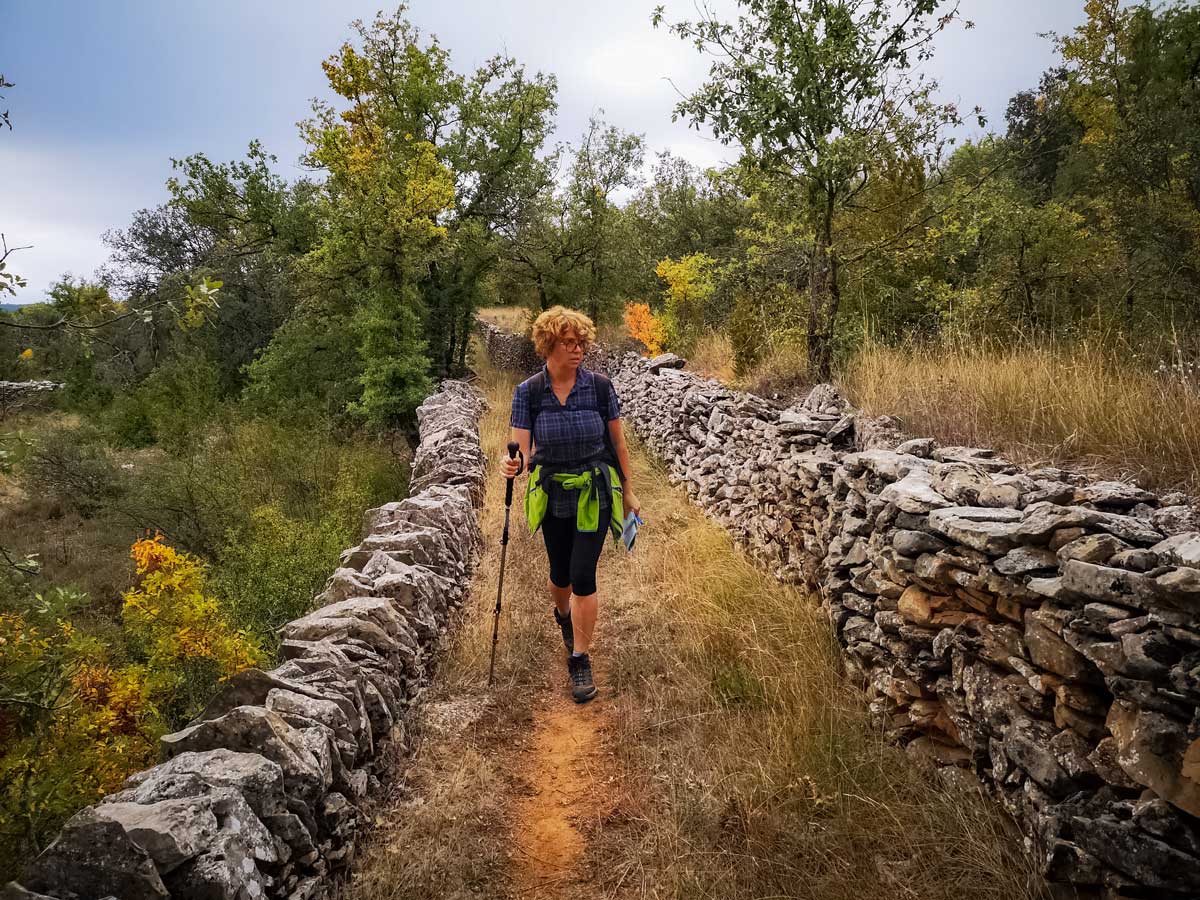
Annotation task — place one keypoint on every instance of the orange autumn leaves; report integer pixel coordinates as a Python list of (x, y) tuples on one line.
[(645, 327)]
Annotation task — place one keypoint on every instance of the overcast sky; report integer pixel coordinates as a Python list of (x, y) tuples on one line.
[(107, 92)]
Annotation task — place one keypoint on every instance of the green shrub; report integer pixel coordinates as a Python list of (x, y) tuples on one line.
[(270, 570), (72, 466), (170, 408), (182, 397), (128, 421)]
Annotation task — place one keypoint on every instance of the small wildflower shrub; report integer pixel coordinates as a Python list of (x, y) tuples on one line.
[(181, 630), (646, 327)]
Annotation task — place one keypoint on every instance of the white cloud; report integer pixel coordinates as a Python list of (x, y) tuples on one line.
[(61, 199)]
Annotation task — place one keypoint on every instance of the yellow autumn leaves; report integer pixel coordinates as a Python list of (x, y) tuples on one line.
[(690, 282), (107, 705), (171, 614)]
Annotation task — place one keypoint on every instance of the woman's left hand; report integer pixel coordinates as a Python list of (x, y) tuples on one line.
[(630, 503)]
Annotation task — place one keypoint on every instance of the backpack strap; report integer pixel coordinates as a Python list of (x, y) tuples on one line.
[(537, 387), (603, 385)]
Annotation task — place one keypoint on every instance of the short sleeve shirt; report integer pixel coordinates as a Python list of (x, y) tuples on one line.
[(566, 435)]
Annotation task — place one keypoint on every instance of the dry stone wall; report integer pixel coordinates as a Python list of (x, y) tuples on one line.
[(17, 394), (1032, 627), (260, 796)]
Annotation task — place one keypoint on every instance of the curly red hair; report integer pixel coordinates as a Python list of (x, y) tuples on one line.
[(559, 323)]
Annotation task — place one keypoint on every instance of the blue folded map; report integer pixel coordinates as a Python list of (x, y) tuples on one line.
[(629, 529)]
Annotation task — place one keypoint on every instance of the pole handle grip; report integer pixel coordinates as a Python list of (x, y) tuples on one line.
[(512, 454)]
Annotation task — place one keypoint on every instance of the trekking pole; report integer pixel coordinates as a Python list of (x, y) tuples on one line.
[(508, 488)]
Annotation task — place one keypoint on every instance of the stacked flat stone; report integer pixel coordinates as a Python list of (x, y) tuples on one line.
[(1036, 628), (13, 393), (508, 351), (259, 796)]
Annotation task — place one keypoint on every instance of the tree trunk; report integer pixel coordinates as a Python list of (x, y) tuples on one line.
[(823, 298), (467, 323), (593, 305), (451, 343)]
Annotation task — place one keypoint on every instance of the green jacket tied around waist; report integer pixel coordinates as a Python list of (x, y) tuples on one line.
[(587, 509)]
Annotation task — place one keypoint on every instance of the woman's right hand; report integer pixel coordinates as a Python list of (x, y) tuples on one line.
[(509, 466)]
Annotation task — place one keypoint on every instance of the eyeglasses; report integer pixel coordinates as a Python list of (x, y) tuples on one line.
[(572, 346)]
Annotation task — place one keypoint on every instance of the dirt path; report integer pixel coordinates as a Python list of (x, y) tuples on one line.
[(566, 767), (507, 784)]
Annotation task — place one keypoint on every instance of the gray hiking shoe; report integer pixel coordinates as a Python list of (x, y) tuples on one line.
[(583, 688), (568, 632)]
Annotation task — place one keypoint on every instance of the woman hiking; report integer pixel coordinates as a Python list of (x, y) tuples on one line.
[(579, 486)]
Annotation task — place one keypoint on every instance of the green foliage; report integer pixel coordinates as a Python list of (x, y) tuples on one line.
[(571, 243), (182, 396), (170, 408), (820, 95), (129, 422), (271, 569), (84, 387), (394, 378), (310, 372), (762, 322)]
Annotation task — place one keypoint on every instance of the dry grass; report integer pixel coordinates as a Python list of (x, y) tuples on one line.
[(712, 357), (510, 318), (1081, 405), (781, 375), (754, 769), (90, 554)]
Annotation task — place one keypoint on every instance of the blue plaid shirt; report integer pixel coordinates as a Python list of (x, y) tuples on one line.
[(566, 435)]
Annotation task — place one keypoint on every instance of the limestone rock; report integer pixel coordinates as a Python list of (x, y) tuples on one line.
[(1151, 749), (253, 729), (257, 779), (1172, 520), (1112, 493), (1092, 548), (1181, 549), (170, 831), (986, 529), (93, 857), (665, 361), (1107, 585), (1026, 560), (914, 493), (1049, 651)]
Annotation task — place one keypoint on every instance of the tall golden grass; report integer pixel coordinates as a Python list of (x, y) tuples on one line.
[(753, 769), (510, 318), (712, 356), (1088, 405)]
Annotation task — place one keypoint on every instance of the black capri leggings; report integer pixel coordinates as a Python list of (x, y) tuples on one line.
[(574, 554)]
